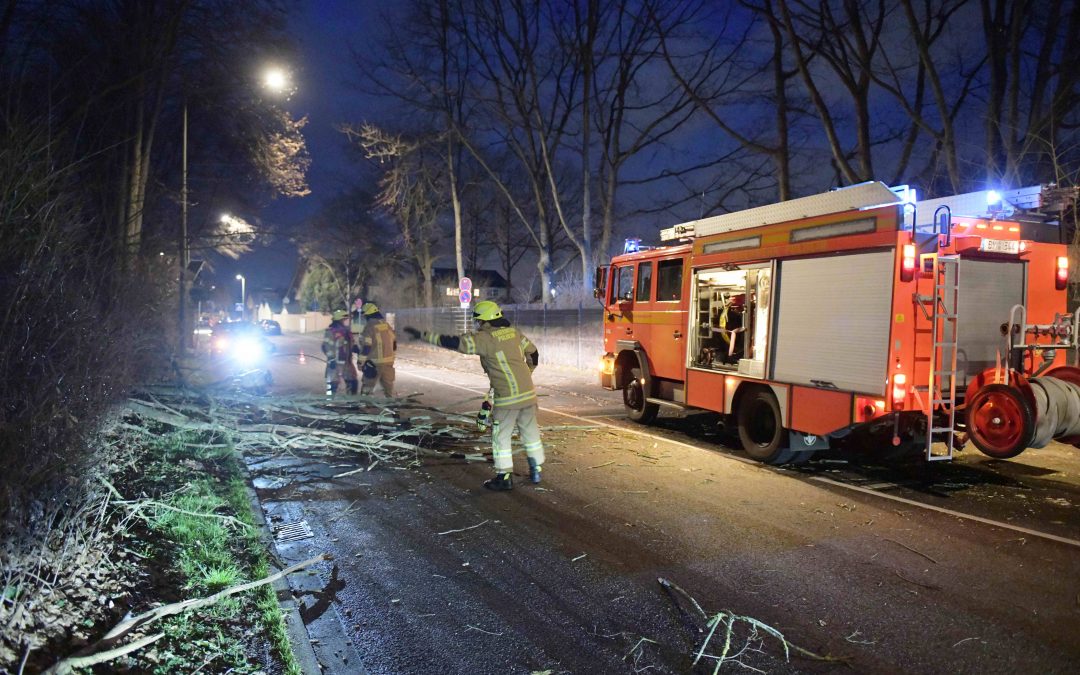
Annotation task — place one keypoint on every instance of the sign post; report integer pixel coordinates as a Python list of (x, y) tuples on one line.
[(465, 299), (465, 292)]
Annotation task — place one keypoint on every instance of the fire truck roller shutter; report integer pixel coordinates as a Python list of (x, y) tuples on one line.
[(832, 322), (988, 290)]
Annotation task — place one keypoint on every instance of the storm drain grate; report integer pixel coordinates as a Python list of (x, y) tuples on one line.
[(293, 531)]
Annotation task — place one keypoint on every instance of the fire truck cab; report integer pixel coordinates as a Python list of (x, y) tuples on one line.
[(859, 313)]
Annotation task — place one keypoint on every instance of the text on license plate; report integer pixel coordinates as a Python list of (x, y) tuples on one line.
[(999, 246)]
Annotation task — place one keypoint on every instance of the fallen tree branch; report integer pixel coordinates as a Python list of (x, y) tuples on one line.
[(104, 657), (913, 550), (471, 527), (730, 620), (146, 618)]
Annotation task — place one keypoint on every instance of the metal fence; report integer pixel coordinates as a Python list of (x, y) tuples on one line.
[(573, 338)]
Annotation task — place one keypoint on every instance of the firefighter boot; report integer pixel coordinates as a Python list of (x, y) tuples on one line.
[(534, 470), (500, 482)]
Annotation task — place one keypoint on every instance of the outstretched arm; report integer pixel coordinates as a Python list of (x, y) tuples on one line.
[(461, 343)]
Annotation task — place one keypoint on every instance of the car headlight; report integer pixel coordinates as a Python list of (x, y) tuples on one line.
[(248, 351)]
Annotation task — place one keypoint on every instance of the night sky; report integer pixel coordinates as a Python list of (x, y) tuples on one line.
[(327, 32)]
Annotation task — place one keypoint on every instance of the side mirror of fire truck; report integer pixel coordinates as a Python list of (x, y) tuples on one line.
[(600, 283)]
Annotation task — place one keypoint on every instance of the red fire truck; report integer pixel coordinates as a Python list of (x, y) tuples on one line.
[(858, 314)]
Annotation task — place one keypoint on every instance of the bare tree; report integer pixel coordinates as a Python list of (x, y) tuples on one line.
[(410, 191), (1033, 75), (340, 249)]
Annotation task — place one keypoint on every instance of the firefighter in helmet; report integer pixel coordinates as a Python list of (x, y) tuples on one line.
[(337, 347), (508, 358), (377, 345)]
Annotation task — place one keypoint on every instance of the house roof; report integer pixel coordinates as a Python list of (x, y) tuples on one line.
[(480, 278)]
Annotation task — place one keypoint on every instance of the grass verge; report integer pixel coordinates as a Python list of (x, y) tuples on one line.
[(204, 536)]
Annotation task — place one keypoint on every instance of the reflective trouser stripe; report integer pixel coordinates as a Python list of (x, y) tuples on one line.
[(502, 430)]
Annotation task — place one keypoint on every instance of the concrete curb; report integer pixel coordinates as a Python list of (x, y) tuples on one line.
[(298, 635)]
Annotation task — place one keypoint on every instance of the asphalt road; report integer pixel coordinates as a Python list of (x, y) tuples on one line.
[(969, 567)]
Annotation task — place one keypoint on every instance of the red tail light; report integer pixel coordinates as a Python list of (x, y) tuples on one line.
[(899, 390), (907, 263), (1061, 274)]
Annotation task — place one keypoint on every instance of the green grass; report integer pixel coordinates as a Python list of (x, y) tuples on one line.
[(209, 553)]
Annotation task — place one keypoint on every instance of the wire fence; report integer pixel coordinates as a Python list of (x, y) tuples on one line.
[(572, 338)]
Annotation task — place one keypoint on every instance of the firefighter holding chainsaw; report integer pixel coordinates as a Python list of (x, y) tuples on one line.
[(508, 358), (377, 345)]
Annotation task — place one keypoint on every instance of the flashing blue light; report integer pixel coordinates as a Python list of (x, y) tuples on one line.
[(631, 245), (992, 197)]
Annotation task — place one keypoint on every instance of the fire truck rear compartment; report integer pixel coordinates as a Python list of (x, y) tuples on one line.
[(988, 291)]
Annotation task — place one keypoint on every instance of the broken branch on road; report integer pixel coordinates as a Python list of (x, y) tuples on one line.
[(464, 529), (730, 622)]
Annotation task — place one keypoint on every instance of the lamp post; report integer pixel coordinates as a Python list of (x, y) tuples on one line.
[(277, 81), (243, 296), (182, 339)]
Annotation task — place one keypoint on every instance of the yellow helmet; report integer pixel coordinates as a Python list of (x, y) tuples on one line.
[(486, 310), (369, 308), (339, 314)]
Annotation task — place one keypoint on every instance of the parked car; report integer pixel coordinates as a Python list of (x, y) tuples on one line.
[(270, 327)]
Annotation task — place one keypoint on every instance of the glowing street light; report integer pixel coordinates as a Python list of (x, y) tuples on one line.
[(243, 296), (276, 79)]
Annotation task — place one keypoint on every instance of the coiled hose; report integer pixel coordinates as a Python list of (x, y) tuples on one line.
[(1057, 410)]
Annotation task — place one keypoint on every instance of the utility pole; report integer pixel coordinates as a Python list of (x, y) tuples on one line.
[(182, 338)]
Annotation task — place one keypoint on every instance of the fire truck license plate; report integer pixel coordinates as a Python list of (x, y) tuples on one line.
[(999, 246)]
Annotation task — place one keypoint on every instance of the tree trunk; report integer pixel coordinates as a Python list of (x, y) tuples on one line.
[(455, 202), (782, 152)]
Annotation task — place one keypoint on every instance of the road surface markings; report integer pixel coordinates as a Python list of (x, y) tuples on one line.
[(828, 481)]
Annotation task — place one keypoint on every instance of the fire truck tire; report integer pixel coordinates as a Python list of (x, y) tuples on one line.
[(761, 430), (1000, 420), (633, 396)]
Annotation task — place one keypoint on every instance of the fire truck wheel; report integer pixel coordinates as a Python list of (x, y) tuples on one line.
[(633, 396), (1000, 421), (760, 428)]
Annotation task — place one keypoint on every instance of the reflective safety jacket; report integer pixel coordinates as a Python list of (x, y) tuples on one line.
[(337, 342), (378, 342), (507, 356)]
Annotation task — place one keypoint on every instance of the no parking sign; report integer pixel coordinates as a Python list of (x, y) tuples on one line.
[(465, 292)]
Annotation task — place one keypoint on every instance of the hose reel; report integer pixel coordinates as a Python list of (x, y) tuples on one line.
[(1004, 420)]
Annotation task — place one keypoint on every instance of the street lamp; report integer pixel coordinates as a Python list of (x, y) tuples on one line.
[(276, 80), (243, 296)]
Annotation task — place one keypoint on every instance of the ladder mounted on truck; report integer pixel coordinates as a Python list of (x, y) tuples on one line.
[(941, 310)]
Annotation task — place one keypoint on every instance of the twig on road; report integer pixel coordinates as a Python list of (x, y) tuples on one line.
[(730, 620), (965, 640), (471, 527), (579, 557), (912, 581), (472, 627), (601, 465), (913, 550)]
